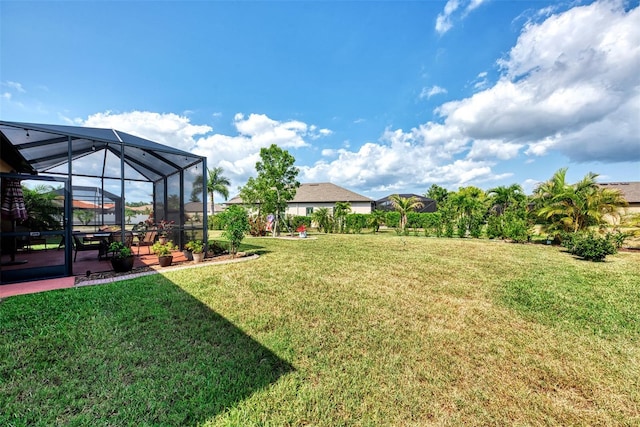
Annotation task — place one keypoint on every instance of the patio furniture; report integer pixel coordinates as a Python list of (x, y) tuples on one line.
[(147, 240), (81, 246)]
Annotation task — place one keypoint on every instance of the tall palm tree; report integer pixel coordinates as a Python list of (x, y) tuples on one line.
[(217, 183), (340, 211), (404, 205)]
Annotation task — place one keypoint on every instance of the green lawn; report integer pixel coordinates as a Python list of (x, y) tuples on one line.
[(339, 330)]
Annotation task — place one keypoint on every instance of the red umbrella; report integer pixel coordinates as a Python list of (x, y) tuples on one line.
[(13, 200)]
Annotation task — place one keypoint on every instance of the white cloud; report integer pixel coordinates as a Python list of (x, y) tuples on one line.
[(428, 92), (236, 154), (169, 129), (16, 86), (444, 19), (570, 84), (481, 81)]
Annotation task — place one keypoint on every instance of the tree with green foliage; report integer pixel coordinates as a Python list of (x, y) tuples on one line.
[(322, 218), (404, 205), (502, 197), (85, 216), (470, 206), (508, 218), (253, 195), (217, 183), (275, 184), (44, 213), (437, 193), (340, 211), (376, 219), (235, 221), (575, 207)]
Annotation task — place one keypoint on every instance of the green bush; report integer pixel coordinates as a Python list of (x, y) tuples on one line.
[(589, 246), (515, 227), (494, 227), (619, 237), (297, 221), (217, 248), (414, 220), (393, 219), (432, 224), (214, 222), (356, 222), (236, 223)]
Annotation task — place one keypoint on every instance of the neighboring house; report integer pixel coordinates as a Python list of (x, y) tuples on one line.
[(428, 205), (630, 191), (310, 197)]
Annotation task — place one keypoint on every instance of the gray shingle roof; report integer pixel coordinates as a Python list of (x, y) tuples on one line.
[(630, 190), (323, 192), (326, 192)]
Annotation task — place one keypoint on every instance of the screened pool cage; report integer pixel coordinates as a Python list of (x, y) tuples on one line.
[(96, 179)]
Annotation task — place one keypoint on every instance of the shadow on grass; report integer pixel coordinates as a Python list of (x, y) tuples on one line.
[(135, 352)]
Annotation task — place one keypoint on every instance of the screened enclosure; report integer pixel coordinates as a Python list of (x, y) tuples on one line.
[(87, 179)]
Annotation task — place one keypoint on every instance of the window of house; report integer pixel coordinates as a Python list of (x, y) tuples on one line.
[(309, 211)]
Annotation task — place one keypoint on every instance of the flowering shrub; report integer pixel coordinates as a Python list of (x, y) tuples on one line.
[(301, 229)]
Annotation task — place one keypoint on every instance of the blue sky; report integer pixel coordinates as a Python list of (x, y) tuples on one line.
[(379, 97)]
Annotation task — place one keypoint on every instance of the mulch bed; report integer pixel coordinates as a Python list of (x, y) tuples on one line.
[(151, 268)]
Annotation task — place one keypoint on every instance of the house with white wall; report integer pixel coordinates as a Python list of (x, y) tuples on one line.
[(312, 196)]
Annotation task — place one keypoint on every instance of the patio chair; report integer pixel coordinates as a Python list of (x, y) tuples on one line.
[(148, 240), (80, 246)]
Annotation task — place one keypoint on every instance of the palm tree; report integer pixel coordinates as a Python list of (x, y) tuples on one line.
[(404, 205), (576, 207), (340, 211), (217, 183), (469, 205), (376, 219), (322, 218), (502, 197)]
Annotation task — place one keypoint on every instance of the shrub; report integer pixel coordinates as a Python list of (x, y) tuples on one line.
[(195, 246), (393, 219), (214, 222), (236, 224), (432, 224), (297, 221), (217, 248), (163, 249), (414, 220), (356, 222), (257, 226), (619, 237), (589, 246), (494, 227), (461, 227)]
